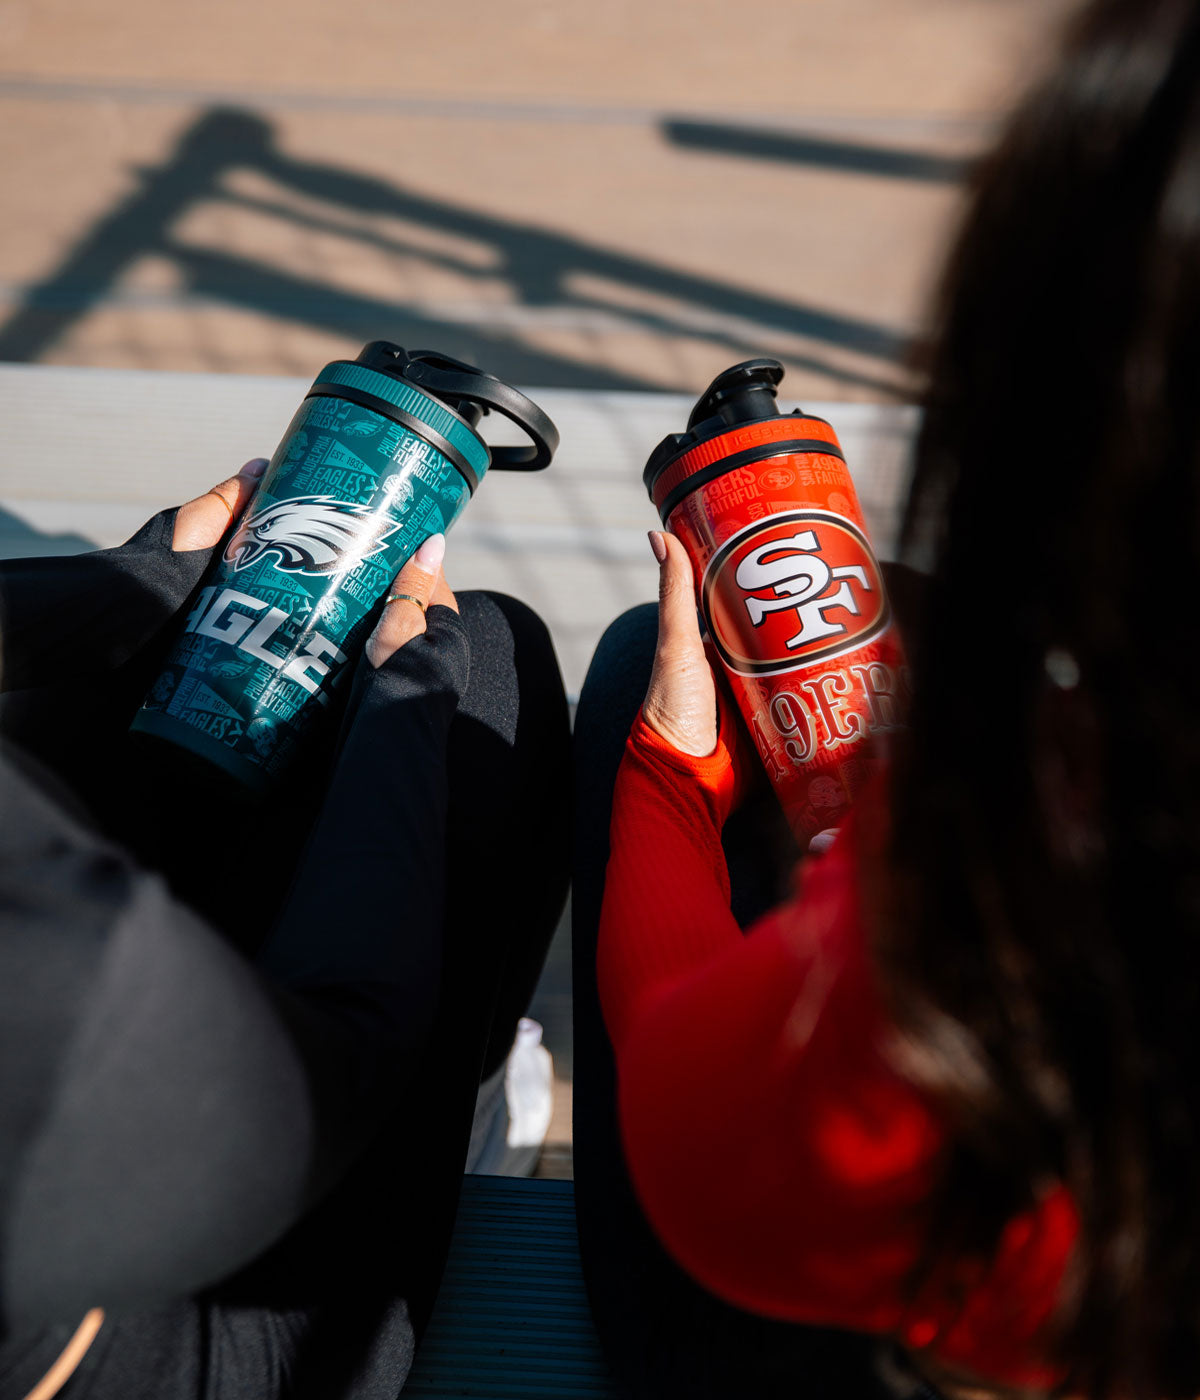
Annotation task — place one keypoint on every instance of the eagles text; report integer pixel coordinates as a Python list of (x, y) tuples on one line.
[(250, 625)]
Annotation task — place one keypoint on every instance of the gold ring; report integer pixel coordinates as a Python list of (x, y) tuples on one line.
[(403, 598), (214, 492)]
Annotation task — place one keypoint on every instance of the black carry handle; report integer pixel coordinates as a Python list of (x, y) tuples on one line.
[(743, 393), (453, 380)]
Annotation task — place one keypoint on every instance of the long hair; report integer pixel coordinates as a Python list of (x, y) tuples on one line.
[(1041, 940)]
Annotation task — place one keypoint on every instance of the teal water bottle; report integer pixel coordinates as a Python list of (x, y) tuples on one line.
[(384, 452)]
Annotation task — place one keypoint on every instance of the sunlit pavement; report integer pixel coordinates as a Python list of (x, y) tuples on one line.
[(603, 196)]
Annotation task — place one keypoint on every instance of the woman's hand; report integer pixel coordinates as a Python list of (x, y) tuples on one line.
[(418, 585), (201, 523), (681, 702)]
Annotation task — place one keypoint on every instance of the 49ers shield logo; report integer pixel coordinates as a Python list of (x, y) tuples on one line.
[(792, 590)]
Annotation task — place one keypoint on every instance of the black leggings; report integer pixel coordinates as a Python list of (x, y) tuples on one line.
[(299, 1132), (664, 1335)]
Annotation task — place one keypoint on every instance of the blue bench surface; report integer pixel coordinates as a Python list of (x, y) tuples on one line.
[(512, 1316)]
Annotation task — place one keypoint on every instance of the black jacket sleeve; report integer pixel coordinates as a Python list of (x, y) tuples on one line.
[(82, 614), (81, 639)]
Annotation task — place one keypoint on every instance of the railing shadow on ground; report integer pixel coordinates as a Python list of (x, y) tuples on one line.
[(547, 272), (544, 271), (817, 152)]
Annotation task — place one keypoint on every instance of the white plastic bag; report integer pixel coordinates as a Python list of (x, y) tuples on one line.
[(513, 1109)]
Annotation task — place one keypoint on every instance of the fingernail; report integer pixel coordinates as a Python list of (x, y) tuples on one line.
[(658, 545), (822, 841), (431, 553), (254, 468)]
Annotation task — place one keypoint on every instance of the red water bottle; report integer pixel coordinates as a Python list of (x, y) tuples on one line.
[(788, 586)]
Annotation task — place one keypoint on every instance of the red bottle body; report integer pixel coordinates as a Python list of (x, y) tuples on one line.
[(795, 604)]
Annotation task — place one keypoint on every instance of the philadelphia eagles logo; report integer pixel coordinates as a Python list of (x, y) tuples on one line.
[(309, 535)]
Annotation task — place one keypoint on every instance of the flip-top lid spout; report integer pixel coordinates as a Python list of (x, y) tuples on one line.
[(744, 393), (471, 393), (735, 423)]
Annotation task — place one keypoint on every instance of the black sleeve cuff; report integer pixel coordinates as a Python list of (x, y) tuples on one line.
[(440, 658), (433, 668)]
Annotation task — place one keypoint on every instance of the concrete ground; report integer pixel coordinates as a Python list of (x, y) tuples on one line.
[(616, 195), (607, 197)]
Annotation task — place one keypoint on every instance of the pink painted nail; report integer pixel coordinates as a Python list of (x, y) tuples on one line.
[(431, 553), (658, 545), (254, 468)]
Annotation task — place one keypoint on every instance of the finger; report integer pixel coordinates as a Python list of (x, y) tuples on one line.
[(411, 593), (678, 625), (681, 702), (200, 523), (443, 596)]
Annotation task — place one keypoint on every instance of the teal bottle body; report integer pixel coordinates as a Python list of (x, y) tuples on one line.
[(356, 485)]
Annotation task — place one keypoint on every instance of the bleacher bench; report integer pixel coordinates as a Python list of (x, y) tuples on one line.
[(512, 1315)]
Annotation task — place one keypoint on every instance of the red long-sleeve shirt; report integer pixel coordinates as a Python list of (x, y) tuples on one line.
[(780, 1159)]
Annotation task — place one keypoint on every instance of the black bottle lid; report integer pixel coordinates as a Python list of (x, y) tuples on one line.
[(737, 400), (744, 393), (470, 393)]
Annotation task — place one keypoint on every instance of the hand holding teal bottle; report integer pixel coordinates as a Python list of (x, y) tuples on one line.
[(383, 454), (420, 584)]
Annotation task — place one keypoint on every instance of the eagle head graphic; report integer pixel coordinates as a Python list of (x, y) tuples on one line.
[(309, 535)]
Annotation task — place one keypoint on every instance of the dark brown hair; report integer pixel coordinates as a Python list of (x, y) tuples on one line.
[(1041, 944)]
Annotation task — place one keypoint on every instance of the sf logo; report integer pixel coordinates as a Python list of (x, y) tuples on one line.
[(791, 590), (803, 583)]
